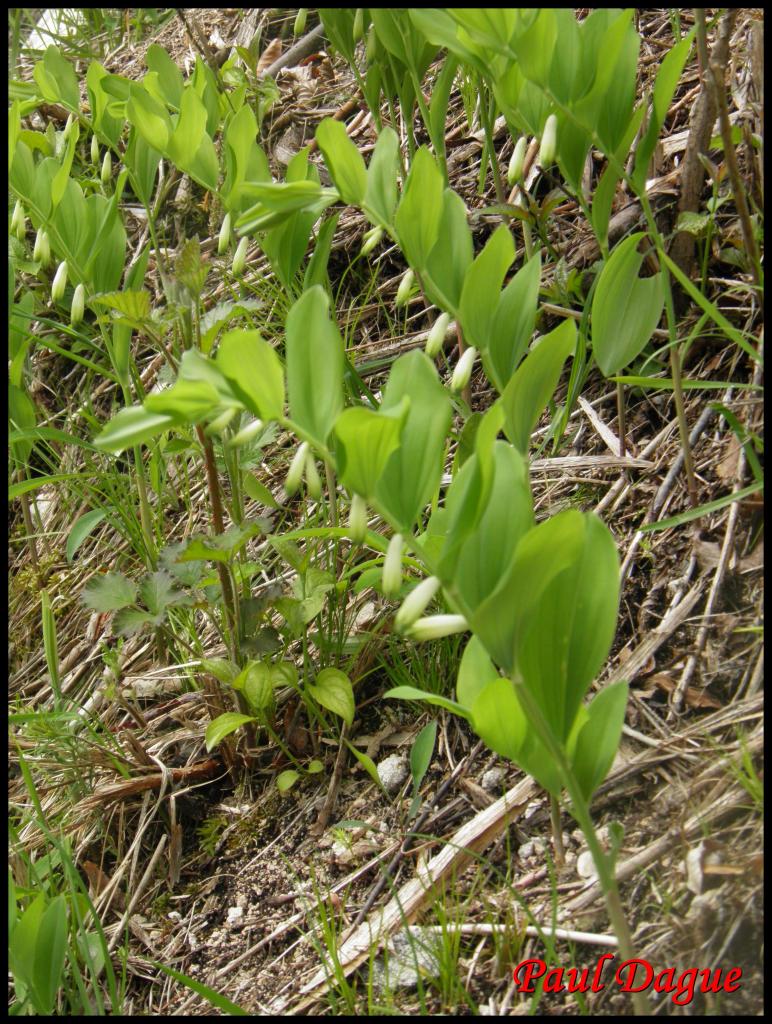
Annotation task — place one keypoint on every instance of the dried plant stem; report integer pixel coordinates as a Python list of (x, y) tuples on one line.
[(622, 425)]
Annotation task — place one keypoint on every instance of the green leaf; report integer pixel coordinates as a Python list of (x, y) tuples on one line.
[(381, 193), (129, 621), (366, 440), (534, 383), (482, 287), (258, 684), (218, 1001), (451, 257), (625, 308), (701, 510), (420, 209), (186, 401), (222, 669), (223, 726), (512, 325), (474, 673), (344, 161), (132, 426), (169, 75), (157, 592), (667, 80), (333, 691), (314, 350), (149, 118), (81, 528), (258, 491), (57, 79), (367, 763), (598, 740), (108, 593), (254, 371), (286, 780), (412, 693), (134, 305), (421, 753)]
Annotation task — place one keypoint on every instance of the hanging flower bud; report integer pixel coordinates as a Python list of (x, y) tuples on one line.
[(437, 334), (435, 626), (313, 481), (300, 21), (357, 520), (392, 567), (405, 286), (42, 252), (415, 604), (359, 25), (515, 170), (107, 167), (463, 370), (224, 238), (60, 282), (246, 434), (78, 305), (94, 150), (371, 239), (19, 221), (240, 259), (221, 422), (548, 141), (295, 472), (370, 47)]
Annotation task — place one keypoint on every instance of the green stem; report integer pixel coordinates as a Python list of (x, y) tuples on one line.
[(485, 114)]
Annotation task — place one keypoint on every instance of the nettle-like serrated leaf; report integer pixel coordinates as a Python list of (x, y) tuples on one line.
[(108, 593), (188, 573), (134, 305), (128, 621), (189, 268), (223, 546), (157, 592)]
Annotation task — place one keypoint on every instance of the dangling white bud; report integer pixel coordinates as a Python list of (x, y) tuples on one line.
[(19, 221), (224, 238), (107, 167), (359, 25), (78, 305), (300, 21), (94, 150), (436, 626), (371, 239), (240, 258), (463, 371), (548, 141), (437, 334), (416, 603), (313, 480), (60, 282), (221, 422), (392, 566), (246, 434), (515, 170), (357, 520), (42, 252), (405, 287), (295, 472)]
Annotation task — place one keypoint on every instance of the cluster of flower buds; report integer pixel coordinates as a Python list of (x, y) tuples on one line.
[(42, 251), (409, 621)]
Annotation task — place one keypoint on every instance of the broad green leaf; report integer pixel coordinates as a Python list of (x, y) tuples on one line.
[(169, 75), (482, 288), (132, 426), (149, 118), (420, 209), (498, 718), (534, 383), (598, 740), (134, 305), (189, 131), (381, 192), (57, 79), (257, 491), (316, 271), (412, 693), (254, 372), (365, 441), (258, 686), (333, 691), (451, 257), (47, 963), (226, 671), (474, 673), (314, 354), (213, 321), (223, 726), (571, 628), (286, 780), (513, 322), (413, 472), (81, 528), (60, 181), (129, 621), (186, 401), (625, 308), (108, 593), (344, 161)]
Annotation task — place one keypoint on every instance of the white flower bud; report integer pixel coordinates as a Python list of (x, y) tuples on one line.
[(60, 282), (240, 258), (224, 238), (370, 46), (18, 221), (221, 422), (94, 150), (435, 626), (515, 170), (405, 286), (246, 434), (548, 141), (313, 480), (463, 370), (78, 305), (295, 472), (42, 252), (357, 520), (437, 334), (371, 239), (300, 21), (416, 602), (392, 566), (68, 127), (107, 167)]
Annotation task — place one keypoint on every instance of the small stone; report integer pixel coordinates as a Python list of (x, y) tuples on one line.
[(235, 916), (585, 865), (492, 780), (392, 772)]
